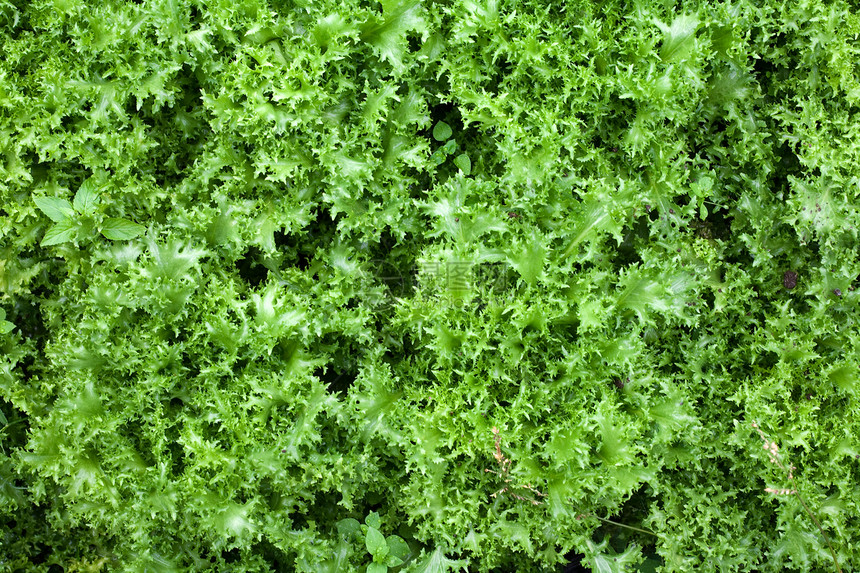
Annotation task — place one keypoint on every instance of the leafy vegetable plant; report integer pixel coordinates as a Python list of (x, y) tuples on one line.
[(410, 286)]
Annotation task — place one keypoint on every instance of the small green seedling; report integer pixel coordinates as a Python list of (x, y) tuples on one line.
[(391, 551), (70, 218)]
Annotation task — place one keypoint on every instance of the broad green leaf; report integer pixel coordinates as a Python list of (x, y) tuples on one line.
[(816, 205), (348, 527), (376, 544), (730, 85), (398, 547), (464, 163), (121, 229), (5, 328), (671, 416), (615, 450), (438, 157), (442, 131), (60, 233), (55, 208), (87, 199), (567, 445), (377, 568), (373, 520)]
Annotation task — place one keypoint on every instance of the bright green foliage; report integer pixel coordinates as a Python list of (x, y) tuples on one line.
[(385, 552), (271, 273), (70, 217)]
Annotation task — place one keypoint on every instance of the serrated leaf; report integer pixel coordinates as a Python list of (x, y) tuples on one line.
[(340, 558), (121, 229), (612, 562), (376, 544), (594, 218), (86, 199), (798, 544), (640, 293), (59, 233), (679, 38), (529, 261), (55, 208), (844, 377), (388, 36), (436, 562), (442, 131)]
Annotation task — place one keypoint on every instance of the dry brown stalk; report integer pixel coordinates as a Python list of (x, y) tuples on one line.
[(775, 458), (504, 473)]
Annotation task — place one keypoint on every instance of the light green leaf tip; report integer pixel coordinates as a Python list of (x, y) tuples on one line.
[(86, 199)]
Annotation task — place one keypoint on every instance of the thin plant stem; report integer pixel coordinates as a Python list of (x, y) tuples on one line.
[(821, 529), (10, 424), (640, 530)]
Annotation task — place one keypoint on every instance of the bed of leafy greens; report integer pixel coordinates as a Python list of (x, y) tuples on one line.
[(429, 286)]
